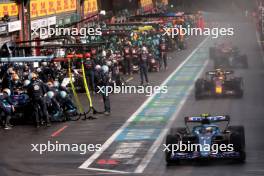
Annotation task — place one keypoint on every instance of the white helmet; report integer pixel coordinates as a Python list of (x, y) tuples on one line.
[(56, 84), (98, 67), (50, 94), (26, 83), (144, 49), (38, 70), (105, 68), (10, 70), (7, 91), (109, 63), (44, 63), (63, 94), (103, 53)]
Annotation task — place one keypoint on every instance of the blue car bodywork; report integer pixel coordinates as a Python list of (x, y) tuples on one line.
[(205, 138)]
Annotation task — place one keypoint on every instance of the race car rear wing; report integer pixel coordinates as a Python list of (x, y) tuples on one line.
[(199, 119), (225, 72)]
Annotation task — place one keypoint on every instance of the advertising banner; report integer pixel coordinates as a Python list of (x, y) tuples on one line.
[(146, 4), (10, 9), (90, 6), (14, 26), (39, 8)]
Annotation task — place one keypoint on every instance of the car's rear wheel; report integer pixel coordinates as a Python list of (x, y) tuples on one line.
[(237, 138), (239, 87), (173, 137)]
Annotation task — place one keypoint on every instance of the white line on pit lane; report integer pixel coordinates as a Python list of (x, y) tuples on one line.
[(141, 167), (110, 140)]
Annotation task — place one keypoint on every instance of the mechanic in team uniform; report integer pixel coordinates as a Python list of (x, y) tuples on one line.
[(16, 85), (7, 78), (103, 81), (163, 53), (127, 58), (36, 91), (7, 109), (143, 65), (90, 72), (48, 72)]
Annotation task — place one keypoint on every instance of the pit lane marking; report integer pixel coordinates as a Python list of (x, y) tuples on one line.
[(129, 79), (56, 133), (123, 128)]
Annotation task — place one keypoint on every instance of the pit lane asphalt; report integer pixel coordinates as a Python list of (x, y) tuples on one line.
[(16, 158), (15, 148), (247, 111)]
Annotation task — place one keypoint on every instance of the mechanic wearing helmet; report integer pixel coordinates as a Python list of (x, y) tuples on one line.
[(89, 69), (163, 53), (16, 85), (7, 108), (103, 81), (65, 101), (97, 71), (36, 91), (127, 58), (53, 106), (48, 72), (6, 82), (143, 66)]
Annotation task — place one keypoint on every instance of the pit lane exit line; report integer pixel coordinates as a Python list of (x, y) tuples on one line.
[(140, 168)]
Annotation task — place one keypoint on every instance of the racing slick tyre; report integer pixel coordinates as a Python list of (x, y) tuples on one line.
[(198, 89), (173, 137), (239, 87), (237, 138)]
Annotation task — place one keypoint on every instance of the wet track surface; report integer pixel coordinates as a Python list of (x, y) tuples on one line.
[(17, 159)]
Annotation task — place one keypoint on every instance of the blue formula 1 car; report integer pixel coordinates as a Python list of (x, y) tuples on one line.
[(212, 138)]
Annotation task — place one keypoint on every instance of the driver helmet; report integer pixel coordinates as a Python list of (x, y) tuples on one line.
[(208, 129)]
